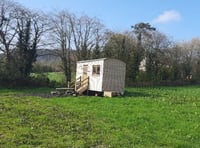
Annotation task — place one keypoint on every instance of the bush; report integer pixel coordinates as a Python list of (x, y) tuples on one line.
[(41, 81)]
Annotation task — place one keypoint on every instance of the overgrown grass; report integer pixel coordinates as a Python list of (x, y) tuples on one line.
[(144, 117)]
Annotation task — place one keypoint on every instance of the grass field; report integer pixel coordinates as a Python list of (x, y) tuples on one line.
[(144, 117), (53, 76), (56, 76)]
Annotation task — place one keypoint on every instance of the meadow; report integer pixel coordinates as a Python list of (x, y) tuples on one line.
[(143, 117), (57, 77)]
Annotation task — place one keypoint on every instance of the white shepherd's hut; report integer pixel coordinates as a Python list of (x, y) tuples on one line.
[(101, 76)]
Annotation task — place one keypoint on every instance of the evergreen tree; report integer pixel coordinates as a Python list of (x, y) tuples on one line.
[(141, 30), (25, 53)]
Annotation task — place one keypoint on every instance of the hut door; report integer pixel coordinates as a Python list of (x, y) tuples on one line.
[(85, 69)]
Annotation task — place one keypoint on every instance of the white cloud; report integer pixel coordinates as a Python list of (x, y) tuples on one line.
[(168, 16)]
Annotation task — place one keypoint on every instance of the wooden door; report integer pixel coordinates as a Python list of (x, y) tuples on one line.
[(85, 70)]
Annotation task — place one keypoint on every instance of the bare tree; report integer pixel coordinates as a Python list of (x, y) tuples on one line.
[(195, 46), (7, 27), (190, 53), (70, 34), (62, 24), (156, 47), (20, 33), (87, 36)]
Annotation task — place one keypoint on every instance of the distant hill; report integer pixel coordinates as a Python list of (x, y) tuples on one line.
[(46, 56)]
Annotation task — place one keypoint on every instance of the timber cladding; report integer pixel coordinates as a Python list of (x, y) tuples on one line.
[(114, 75)]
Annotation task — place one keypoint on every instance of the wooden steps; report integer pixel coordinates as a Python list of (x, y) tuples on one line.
[(81, 90), (81, 85)]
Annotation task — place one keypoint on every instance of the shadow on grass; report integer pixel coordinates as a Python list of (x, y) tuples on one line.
[(140, 94)]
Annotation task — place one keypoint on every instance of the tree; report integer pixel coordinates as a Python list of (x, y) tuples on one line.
[(141, 30), (62, 26), (30, 28), (100, 41), (20, 33), (121, 46), (195, 46), (189, 58), (156, 46), (70, 34), (7, 31), (174, 60), (87, 33), (24, 55)]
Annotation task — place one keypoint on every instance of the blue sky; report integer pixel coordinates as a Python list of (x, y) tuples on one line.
[(178, 19)]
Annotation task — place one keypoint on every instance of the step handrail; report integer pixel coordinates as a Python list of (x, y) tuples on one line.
[(81, 82)]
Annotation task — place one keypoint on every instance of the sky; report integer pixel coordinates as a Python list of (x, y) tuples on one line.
[(178, 19)]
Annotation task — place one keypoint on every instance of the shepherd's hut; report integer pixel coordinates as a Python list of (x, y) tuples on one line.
[(104, 75)]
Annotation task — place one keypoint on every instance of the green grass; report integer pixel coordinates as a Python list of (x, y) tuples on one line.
[(56, 76), (53, 76), (144, 117)]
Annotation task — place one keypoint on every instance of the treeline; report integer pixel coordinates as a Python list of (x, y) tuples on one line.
[(150, 55)]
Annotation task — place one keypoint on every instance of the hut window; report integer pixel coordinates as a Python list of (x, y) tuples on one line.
[(96, 69)]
